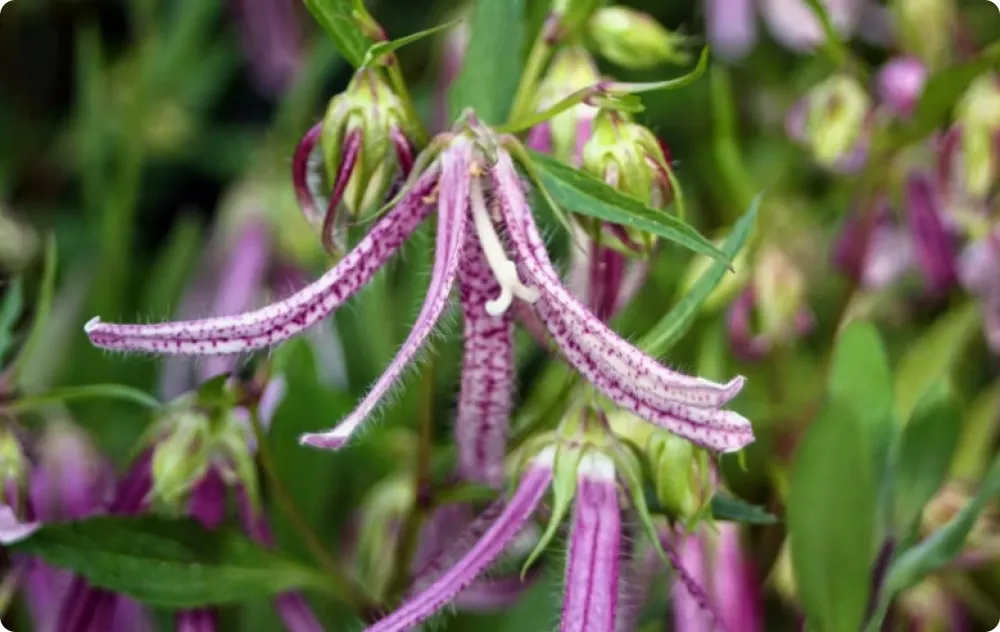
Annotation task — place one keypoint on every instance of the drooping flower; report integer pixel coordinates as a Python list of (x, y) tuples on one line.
[(833, 122), (932, 244), (271, 37), (457, 182)]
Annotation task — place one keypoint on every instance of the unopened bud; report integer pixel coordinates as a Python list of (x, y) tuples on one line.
[(567, 16), (181, 458), (628, 157), (900, 83), (682, 477), (13, 468), (361, 132), (924, 29), (836, 116), (633, 39), (572, 69), (978, 117)]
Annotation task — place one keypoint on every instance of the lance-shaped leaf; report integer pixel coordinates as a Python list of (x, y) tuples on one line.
[(380, 49), (453, 204), (482, 419), (582, 193), (286, 318), (89, 391), (564, 482), (337, 19), (683, 404), (591, 600), (678, 320), (508, 524), (174, 563)]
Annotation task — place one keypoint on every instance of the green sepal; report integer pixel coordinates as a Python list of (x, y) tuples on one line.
[(564, 482)]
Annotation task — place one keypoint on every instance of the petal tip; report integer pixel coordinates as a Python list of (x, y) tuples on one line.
[(92, 324), (323, 440)]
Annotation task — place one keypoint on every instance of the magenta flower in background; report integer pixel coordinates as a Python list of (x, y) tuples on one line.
[(899, 84), (717, 580), (932, 244), (272, 40), (979, 273)]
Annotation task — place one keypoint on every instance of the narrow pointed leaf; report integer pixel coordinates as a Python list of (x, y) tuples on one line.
[(831, 520), (581, 193), (66, 394), (732, 509), (173, 563), (43, 308), (669, 84), (934, 355), (337, 19), (925, 453), (13, 303), (492, 65), (564, 484), (665, 334), (380, 49)]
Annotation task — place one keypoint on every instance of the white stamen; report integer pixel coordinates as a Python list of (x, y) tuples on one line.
[(503, 268)]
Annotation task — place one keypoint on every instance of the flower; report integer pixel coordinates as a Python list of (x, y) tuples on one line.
[(471, 163), (633, 39), (977, 270), (271, 37), (564, 135), (899, 84), (832, 121), (717, 562)]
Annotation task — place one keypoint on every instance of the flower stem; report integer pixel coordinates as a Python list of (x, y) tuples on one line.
[(399, 86), (340, 582), (422, 494), (527, 86)]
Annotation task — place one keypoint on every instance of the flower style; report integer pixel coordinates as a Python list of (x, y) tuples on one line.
[(476, 187)]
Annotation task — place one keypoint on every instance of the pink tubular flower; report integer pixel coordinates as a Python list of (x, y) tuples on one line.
[(932, 244), (717, 562), (592, 566), (513, 516), (271, 36), (460, 180)]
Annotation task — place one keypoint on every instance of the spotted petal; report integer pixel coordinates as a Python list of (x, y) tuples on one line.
[(452, 216), (686, 405), (287, 318), (484, 400)]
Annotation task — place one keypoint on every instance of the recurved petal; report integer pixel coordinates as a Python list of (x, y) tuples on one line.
[(452, 216), (484, 400), (511, 520), (285, 319), (683, 404)]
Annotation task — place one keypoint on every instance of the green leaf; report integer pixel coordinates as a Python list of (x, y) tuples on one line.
[(172, 563), (678, 321), (337, 19), (924, 454), (860, 377), (43, 308), (831, 520), (13, 303), (919, 561), (90, 391), (726, 507), (942, 90), (380, 49), (584, 194), (492, 66), (934, 355)]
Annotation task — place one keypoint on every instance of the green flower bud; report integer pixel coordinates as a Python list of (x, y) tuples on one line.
[(572, 69), (380, 518), (628, 157), (633, 39), (682, 477), (780, 292), (365, 141), (181, 458), (727, 288), (837, 112), (978, 117), (568, 15), (13, 467)]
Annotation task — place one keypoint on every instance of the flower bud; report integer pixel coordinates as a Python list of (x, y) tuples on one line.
[(835, 120), (794, 25), (633, 39), (924, 29), (181, 458), (900, 83), (773, 310), (928, 607), (568, 15), (13, 468), (978, 118), (983, 541), (565, 135), (628, 157), (682, 477), (71, 480), (380, 520)]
